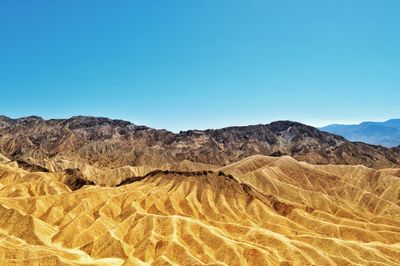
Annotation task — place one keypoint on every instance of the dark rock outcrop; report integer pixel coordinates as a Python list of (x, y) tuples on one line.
[(75, 180), (114, 143)]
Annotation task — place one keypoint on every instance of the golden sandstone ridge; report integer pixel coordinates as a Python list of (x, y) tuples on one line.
[(258, 211)]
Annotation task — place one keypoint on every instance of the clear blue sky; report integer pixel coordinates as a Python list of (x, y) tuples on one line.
[(201, 63)]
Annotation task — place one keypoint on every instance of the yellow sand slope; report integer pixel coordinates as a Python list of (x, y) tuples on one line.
[(259, 211)]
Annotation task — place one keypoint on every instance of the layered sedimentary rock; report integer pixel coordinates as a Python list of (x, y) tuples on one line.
[(257, 211), (103, 142)]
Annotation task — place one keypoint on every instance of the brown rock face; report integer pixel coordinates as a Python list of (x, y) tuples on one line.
[(116, 143), (75, 180)]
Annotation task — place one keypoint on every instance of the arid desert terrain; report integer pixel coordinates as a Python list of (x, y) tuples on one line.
[(80, 199)]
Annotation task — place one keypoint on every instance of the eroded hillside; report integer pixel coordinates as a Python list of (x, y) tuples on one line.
[(258, 211), (103, 142)]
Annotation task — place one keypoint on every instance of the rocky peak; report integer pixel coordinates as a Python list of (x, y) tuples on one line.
[(109, 142), (78, 122)]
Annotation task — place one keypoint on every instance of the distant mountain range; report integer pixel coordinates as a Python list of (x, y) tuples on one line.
[(378, 133), (116, 143)]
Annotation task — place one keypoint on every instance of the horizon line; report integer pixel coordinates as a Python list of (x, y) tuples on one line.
[(314, 124)]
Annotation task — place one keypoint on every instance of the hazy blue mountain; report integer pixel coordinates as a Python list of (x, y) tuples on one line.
[(378, 133)]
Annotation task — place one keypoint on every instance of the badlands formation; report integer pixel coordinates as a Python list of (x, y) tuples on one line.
[(104, 142), (96, 191), (257, 211)]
